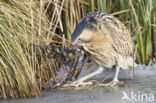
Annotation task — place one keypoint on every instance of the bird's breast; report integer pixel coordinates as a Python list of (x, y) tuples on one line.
[(102, 55)]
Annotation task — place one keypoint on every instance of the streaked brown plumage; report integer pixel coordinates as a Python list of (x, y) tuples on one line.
[(107, 41)]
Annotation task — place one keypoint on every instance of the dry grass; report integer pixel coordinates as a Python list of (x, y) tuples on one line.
[(21, 25)]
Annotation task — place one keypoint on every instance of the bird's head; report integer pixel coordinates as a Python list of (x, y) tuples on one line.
[(86, 31)]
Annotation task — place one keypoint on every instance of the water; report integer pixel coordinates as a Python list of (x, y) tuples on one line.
[(139, 89)]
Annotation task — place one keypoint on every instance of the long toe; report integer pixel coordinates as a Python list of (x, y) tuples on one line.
[(112, 84), (78, 84)]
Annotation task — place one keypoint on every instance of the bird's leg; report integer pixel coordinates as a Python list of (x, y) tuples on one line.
[(115, 80), (80, 82), (116, 74)]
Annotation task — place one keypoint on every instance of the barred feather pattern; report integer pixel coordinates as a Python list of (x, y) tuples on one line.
[(111, 42)]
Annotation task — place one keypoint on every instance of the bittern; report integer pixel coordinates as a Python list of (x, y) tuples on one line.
[(107, 42)]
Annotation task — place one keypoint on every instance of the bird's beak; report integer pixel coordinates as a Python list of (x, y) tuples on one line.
[(77, 42)]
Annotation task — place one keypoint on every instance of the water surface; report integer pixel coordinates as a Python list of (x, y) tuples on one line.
[(143, 85)]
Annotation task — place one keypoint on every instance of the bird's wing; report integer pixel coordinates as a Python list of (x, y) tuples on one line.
[(122, 40)]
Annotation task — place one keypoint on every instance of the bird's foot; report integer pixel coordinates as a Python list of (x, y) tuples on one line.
[(112, 83), (78, 83)]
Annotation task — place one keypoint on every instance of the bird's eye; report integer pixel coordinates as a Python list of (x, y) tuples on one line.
[(79, 39)]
